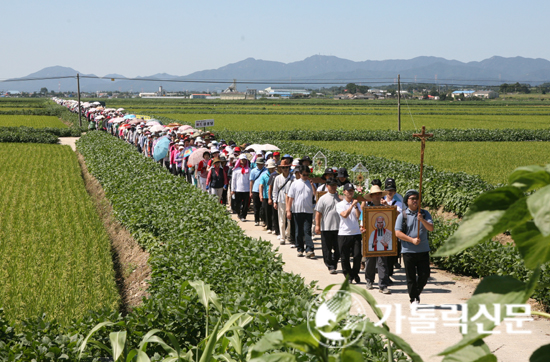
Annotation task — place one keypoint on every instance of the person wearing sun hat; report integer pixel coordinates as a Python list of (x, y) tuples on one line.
[(415, 246), (255, 175), (281, 185), (342, 176), (240, 186), (264, 195), (374, 198), (216, 181)]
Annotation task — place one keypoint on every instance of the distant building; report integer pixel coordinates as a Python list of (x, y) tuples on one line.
[(286, 92), (486, 94), (199, 96), (467, 93)]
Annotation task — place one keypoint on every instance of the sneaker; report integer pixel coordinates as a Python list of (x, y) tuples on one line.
[(384, 291), (310, 255), (282, 242), (292, 246), (414, 306), (243, 220), (264, 225), (333, 271), (300, 254), (256, 223), (362, 265), (369, 285), (269, 231), (278, 237)]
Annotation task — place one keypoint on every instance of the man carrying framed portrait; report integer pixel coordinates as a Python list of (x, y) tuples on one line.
[(379, 240)]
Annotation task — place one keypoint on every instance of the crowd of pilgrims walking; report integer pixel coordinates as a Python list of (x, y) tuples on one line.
[(284, 198)]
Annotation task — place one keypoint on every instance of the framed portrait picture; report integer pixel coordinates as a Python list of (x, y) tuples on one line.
[(379, 238)]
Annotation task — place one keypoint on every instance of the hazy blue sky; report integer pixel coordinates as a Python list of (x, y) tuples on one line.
[(139, 38)]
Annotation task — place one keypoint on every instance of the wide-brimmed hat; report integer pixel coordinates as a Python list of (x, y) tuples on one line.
[(375, 189), (284, 163), (243, 157), (305, 158), (271, 164), (216, 160), (260, 161)]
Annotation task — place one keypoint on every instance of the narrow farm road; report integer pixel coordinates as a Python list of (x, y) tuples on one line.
[(69, 141), (443, 288)]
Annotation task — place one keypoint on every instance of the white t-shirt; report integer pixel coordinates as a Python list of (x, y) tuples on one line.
[(350, 224), (302, 194)]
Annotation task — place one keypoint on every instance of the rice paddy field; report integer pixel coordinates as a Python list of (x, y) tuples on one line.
[(329, 114), (30, 121), (493, 162), (56, 255)]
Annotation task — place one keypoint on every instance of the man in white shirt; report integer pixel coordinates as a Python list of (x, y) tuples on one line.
[(327, 222), (349, 233), (300, 205)]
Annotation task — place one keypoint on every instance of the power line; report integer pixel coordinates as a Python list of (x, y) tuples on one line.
[(306, 81)]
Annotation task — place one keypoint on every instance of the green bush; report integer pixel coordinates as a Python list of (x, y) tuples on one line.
[(28, 135)]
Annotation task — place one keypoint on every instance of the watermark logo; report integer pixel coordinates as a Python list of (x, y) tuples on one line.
[(338, 316)]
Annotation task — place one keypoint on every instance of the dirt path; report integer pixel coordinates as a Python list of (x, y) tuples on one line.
[(69, 141), (442, 288)]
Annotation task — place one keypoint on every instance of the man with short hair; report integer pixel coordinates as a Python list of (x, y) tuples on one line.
[(327, 221), (300, 205), (349, 233), (415, 247)]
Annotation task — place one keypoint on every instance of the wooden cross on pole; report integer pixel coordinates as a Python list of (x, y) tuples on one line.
[(423, 136)]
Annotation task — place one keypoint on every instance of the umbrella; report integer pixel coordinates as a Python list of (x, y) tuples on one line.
[(189, 151), (152, 123), (173, 125), (125, 126), (96, 103), (157, 128), (196, 156), (185, 127), (259, 148), (161, 148), (136, 121), (129, 116)]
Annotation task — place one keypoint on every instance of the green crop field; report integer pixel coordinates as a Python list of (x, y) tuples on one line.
[(30, 121), (386, 121), (56, 255), (493, 161)]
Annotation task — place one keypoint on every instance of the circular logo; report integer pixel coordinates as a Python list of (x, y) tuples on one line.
[(337, 316)]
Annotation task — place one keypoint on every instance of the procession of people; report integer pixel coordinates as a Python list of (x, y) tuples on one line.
[(287, 200)]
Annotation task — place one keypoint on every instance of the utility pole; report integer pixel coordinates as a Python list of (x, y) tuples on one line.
[(399, 102), (78, 89)]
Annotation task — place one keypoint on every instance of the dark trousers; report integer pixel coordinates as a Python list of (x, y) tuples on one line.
[(257, 206), (392, 260), (349, 244), (292, 236), (267, 212), (416, 264), (241, 203), (330, 248), (274, 220), (303, 223), (224, 196), (380, 262)]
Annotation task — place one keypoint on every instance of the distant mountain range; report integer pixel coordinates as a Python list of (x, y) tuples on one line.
[(317, 70)]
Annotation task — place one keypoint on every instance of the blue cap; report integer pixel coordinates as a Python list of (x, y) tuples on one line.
[(287, 156)]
